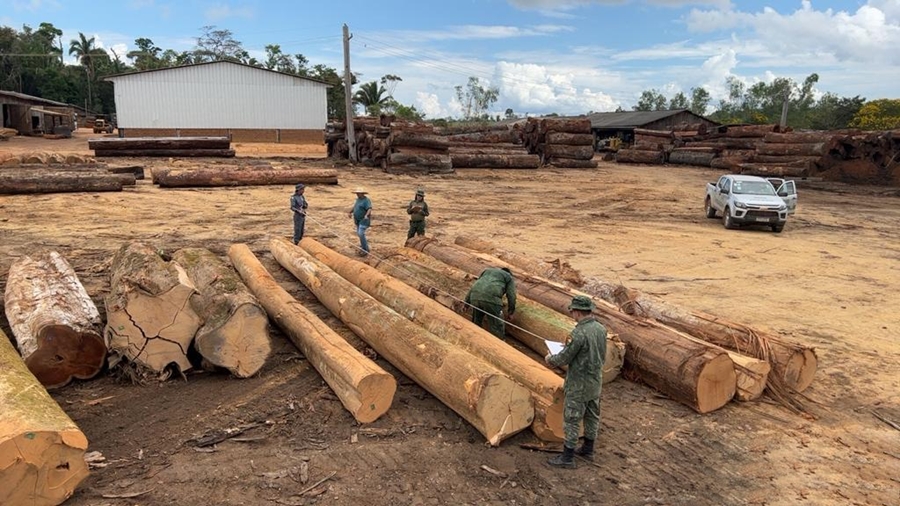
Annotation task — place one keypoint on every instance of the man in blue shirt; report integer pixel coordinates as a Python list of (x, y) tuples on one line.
[(362, 218)]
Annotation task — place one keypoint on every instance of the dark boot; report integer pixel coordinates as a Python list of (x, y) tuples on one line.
[(565, 460), (586, 450)]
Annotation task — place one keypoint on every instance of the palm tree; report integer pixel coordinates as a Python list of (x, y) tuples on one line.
[(371, 96), (84, 50)]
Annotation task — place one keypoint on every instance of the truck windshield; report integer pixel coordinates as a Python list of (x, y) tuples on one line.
[(753, 188)]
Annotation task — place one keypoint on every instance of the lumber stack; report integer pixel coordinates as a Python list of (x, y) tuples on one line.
[(561, 142), (489, 146), (176, 147), (41, 448), (417, 152), (870, 158)]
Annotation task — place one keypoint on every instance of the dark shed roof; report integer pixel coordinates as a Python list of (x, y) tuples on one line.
[(634, 119), (23, 99)]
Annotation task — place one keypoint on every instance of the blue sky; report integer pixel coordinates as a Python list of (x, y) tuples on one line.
[(563, 56)]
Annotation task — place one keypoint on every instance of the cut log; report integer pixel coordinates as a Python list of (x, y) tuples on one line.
[(662, 134), (731, 164), (440, 162), (235, 334), (804, 137), (684, 157), (41, 449), (56, 324), (173, 153), (518, 148), (62, 172), (461, 161), (728, 143), (570, 139), (65, 182), (364, 388), (752, 130), (554, 270), (534, 324), (470, 128), (487, 137), (418, 140), (758, 169), (149, 318), (788, 161), (493, 403), (148, 143), (640, 156), (567, 151), (793, 364), (768, 148), (545, 386), (567, 125), (702, 378), (569, 163), (137, 170), (181, 178)]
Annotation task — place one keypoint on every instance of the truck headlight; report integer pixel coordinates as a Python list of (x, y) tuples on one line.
[(782, 207), (740, 205)]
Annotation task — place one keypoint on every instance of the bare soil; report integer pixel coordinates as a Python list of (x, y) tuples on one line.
[(831, 279)]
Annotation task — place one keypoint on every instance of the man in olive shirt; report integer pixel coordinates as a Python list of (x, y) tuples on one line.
[(298, 206), (417, 211), (486, 297), (584, 353)]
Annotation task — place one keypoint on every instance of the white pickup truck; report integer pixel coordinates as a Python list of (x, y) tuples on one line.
[(751, 200)]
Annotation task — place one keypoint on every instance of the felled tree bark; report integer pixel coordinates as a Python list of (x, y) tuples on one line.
[(41, 449), (150, 321), (365, 389), (235, 332), (55, 322)]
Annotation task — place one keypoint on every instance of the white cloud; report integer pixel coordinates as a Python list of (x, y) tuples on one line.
[(220, 11), (555, 6), (430, 105), (475, 32), (534, 88)]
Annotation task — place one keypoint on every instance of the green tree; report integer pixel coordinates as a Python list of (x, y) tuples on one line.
[(651, 100), (510, 114), (214, 44), (475, 99), (335, 94), (679, 101), (146, 56), (84, 50), (371, 96), (832, 112), (390, 82), (276, 60), (699, 101), (881, 114)]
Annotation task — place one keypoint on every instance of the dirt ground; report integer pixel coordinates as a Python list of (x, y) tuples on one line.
[(831, 280)]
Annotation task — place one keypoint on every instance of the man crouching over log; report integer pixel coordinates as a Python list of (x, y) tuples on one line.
[(584, 353)]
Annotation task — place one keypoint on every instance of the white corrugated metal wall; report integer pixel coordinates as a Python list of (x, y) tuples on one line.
[(219, 95)]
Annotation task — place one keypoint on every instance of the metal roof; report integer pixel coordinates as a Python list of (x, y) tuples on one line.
[(632, 119), (29, 98), (138, 72)]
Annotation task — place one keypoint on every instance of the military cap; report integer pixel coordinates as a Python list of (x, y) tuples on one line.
[(421, 192), (581, 303), (299, 186)]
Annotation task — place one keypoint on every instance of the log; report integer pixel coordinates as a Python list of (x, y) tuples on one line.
[(234, 334), (568, 163), (418, 140), (566, 125), (155, 143), (768, 148), (649, 146), (534, 324), (56, 324), (793, 364), (640, 156), (440, 162), (509, 136), (364, 388), (570, 139), (523, 161), (173, 153), (554, 270), (662, 134), (702, 378), (137, 170), (488, 149), (803, 137), (691, 158), (60, 182), (490, 401), (470, 128), (757, 169), (181, 178), (788, 161), (727, 143), (731, 164), (566, 151), (751, 130), (545, 386), (519, 148), (41, 449), (57, 172), (149, 318)]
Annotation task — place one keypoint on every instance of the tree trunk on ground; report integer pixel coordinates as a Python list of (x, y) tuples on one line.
[(519, 148), (768, 148), (67, 182), (418, 140), (545, 386), (731, 164), (98, 168), (494, 404), (567, 125), (756, 169), (56, 324), (787, 160), (803, 137), (149, 319), (567, 151), (440, 162), (662, 134), (174, 153), (728, 143), (751, 130), (569, 163), (486, 137), (534, 324), (181, 178), (522, 161), (554, 270), (570, 139), (470, 129), (235, 332), (364, 388), (640, 156), (697, 376), (41, 449), (154, 143), (488, 150), (698, 158), (57, 172)]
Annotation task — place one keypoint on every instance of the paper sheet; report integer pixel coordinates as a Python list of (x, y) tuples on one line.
[(555, 347)]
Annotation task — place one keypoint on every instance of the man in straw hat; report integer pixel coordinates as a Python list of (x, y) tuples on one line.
[(584, 353), (298, 207), (362, 218), (417, 209)]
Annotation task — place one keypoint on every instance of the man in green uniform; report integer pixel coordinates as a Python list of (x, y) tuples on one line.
[(417, 211), (584, 353), (486, 297)]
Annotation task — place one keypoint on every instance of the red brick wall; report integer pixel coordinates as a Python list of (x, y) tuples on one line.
[(236, 134)]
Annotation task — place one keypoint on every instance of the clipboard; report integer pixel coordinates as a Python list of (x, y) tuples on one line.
[(554, 347)]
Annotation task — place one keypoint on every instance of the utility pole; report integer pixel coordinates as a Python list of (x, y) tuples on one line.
[(784, 108), (348, 95)]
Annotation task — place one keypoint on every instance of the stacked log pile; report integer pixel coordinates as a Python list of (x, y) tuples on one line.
[(489, 146), (397, 146), (176, 147), (650, 146), (561, 142)]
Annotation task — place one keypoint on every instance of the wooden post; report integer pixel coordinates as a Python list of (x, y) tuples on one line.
[(55, 322), (41, 449), (348, 96), (494, 404), (364, 388)]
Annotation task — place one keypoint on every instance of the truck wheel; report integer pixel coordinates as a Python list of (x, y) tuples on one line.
[(710, 210), (726, 219), (777, 228)]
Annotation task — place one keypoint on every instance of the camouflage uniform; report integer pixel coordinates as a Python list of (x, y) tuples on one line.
[(584, 354), (417, 211), (486, 296), (298, 207)]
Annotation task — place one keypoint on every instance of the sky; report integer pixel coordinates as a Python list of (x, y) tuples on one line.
[(545, 56)]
